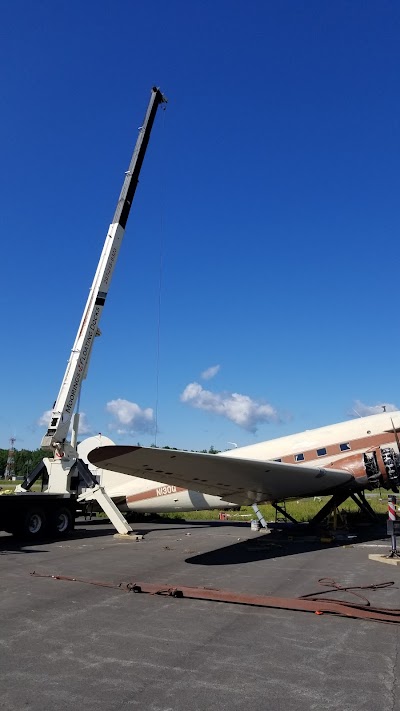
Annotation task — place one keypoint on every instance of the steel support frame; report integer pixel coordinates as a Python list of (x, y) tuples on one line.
[(337, 500), (362, 503), (284, 513)]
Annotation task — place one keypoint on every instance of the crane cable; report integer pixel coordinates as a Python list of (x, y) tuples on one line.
[(160, 275)]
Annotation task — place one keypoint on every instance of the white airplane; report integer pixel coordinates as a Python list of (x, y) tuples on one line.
[(342, 459)]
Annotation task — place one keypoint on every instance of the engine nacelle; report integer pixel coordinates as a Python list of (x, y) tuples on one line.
[(378, 467)]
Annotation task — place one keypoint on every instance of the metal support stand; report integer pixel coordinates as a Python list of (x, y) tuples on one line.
[(333, 503), (98, 494), (95, 492), (363, 504), (259, 516), (284, 513), (391, 527), (394, 553), (333, 519)]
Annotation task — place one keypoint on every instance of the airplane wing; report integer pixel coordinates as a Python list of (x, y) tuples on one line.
[(242, 481)]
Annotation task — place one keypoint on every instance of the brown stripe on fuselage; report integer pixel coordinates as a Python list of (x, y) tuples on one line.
[(152, 493), (333, 450)]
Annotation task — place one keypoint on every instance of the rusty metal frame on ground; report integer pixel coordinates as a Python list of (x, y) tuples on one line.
[(306, 603)]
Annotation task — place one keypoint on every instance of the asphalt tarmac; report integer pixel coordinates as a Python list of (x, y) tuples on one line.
[(68, 645)]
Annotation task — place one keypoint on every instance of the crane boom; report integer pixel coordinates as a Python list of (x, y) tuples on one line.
[(76, 370)]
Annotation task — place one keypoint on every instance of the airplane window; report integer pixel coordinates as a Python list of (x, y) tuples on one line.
[(344, 446), (277, 460), (299, 457), (321, 451)]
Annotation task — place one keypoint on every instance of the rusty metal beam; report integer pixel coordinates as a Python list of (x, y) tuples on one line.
[(313, 604)]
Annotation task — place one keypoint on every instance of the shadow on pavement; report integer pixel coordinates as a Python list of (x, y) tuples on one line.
[(8, 546), (290, 540)]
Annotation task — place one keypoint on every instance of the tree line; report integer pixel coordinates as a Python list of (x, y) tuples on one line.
[(24, 460)]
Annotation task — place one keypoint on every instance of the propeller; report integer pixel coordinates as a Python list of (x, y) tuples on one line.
[(396, 436), (397, 464)]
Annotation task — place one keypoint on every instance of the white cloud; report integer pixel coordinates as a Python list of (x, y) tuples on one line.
[(359, 408), (210, 372), (240, 409), (131, 416), (84, 427), (44, 419)]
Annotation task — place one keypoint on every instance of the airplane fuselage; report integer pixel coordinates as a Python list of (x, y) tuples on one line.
[(325, 445)]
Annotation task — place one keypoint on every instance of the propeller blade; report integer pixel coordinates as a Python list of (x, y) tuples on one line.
[(396, 436)]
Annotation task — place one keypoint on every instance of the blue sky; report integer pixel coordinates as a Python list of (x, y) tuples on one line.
[(269, 196)]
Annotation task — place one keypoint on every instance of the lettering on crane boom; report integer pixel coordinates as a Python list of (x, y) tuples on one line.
[(110, 266), (163, 490), (82, 360)]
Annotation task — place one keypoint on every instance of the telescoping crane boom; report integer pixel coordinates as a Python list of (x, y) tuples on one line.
[(65, 461), (76, 370)]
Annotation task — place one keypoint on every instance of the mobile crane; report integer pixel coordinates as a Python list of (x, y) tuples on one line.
[(67, 481)]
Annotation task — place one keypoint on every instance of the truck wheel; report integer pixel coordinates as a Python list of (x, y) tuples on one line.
[(62, 521), (32, 525)]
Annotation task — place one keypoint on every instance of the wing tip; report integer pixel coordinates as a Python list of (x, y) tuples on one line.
[(101, 454)]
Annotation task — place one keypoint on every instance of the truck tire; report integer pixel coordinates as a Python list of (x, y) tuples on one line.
[(32, 524), (61, 522)]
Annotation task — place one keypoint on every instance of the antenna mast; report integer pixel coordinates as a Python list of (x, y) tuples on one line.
[(10, 466)]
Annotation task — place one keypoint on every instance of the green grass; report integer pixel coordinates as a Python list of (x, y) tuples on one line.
[(10, 485), (301, 510)]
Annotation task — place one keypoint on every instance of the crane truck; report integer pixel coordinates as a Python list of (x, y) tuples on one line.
[(67, 482)]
